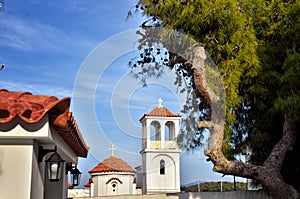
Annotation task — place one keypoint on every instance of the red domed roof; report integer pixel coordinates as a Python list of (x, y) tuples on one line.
[(160, 111), (112, 164)]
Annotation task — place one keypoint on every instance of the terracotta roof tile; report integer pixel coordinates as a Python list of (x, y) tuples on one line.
[(70, 186), (88, 184), (72, 135), (112, 164), (160, 111), (32, 108)]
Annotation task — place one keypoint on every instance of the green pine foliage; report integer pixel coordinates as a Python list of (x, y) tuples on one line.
[(225, 31), (288, 100)]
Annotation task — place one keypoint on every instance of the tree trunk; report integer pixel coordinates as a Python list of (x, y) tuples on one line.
[(268, 174)]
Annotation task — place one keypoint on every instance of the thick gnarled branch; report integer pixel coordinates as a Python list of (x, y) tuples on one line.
[(268, 174), (285, 144)]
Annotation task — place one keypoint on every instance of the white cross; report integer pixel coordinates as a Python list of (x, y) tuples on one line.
[(160, 102), (112, 149)]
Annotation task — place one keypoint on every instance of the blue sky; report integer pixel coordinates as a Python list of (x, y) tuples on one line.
[(66, 48)]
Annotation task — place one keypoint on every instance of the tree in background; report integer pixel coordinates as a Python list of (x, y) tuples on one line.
[(215, 186), (255, 45)]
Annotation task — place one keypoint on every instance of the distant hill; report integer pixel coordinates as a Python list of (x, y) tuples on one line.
[(193, 183), (213, 186)]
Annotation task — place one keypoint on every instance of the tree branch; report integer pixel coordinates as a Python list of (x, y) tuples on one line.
[(268, 174), (285, 144)]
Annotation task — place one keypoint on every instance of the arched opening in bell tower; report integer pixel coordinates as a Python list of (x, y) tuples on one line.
[(155, 130), (170, 130)]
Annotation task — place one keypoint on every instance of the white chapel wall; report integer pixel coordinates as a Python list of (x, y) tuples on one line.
[(103, 184)]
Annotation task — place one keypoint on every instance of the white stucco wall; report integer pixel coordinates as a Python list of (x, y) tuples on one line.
[(21, 174), (76, 193), (154, 182), (166, 181), (103, 189), (15, 171)]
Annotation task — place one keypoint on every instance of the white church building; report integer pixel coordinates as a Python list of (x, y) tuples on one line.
[(113, 176), (160, 169)]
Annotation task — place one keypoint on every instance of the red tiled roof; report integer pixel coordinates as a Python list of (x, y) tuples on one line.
[(112, 164), (160, 111), (32, 108), (88, 184)]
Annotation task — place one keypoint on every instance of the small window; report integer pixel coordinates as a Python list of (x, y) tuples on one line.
[(162, 167), (114, 186)]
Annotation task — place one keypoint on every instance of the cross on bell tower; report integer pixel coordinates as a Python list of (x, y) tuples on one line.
[(160, 101)]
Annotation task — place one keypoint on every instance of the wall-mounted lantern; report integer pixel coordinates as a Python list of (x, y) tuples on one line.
[(54, 164), (75, 174)]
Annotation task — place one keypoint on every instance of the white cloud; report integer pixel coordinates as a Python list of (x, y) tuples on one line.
[(32, 35)]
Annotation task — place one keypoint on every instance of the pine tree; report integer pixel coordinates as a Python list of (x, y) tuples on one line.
[(255, 45)]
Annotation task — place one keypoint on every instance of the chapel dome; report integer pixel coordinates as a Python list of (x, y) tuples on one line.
[(112, 164)]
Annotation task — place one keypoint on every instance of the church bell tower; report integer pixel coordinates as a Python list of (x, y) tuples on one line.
[(160, 152)]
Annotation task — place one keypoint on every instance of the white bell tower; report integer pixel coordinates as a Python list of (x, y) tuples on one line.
[(160, 152)]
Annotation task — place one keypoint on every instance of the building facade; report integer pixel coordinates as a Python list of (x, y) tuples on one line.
[(31, 127)]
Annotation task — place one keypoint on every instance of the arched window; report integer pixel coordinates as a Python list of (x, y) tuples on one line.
[(162, 167), (114, 186)]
